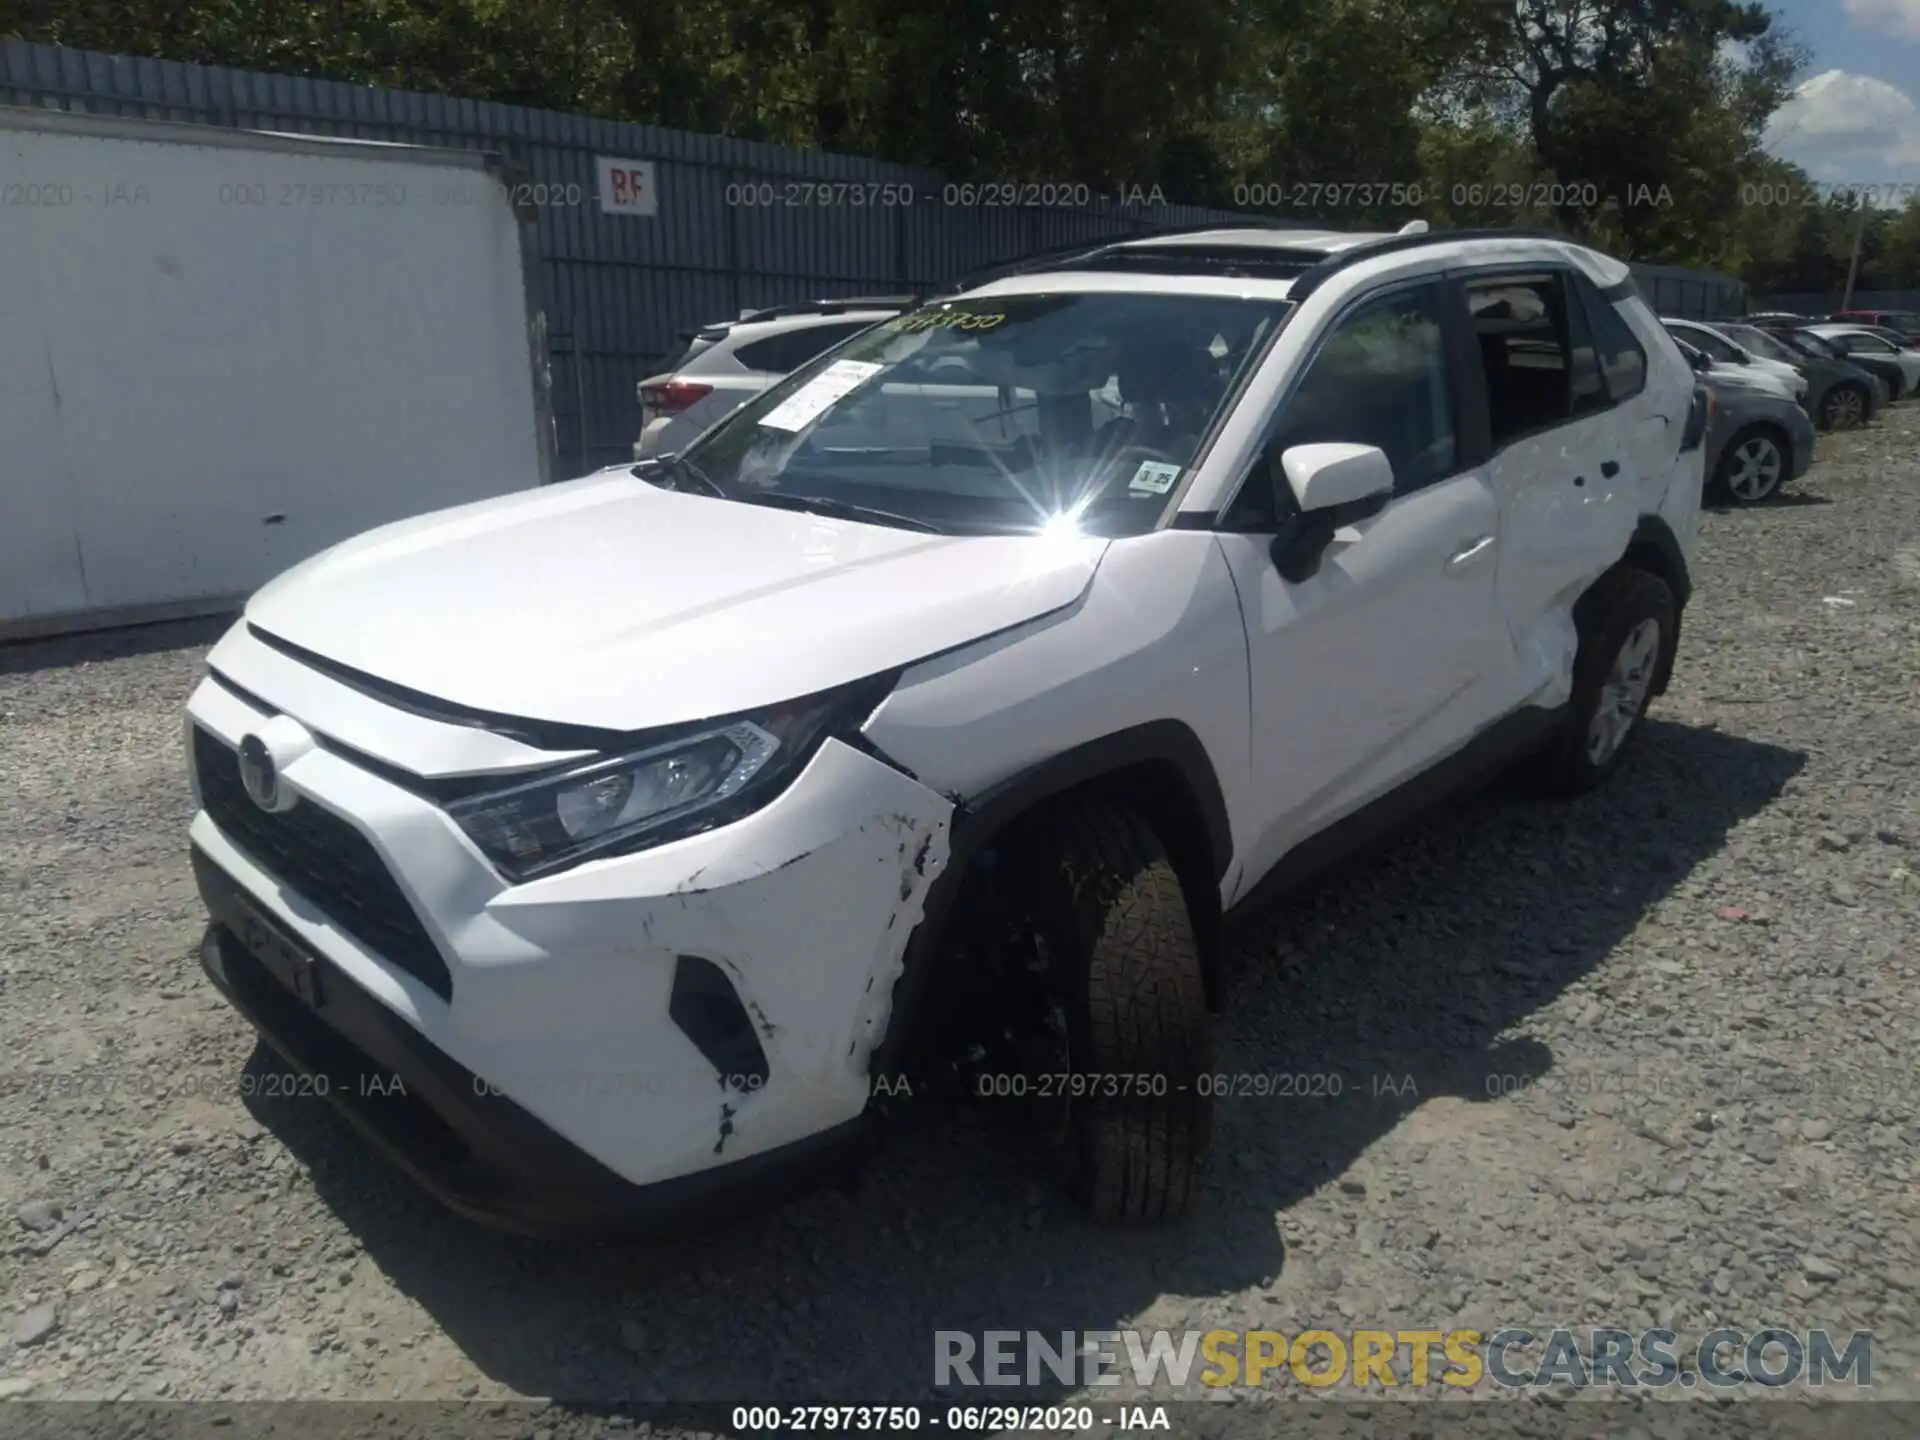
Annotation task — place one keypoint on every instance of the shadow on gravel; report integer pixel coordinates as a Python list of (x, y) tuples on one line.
[(1409, 964), (1785, 500), (20, 657)]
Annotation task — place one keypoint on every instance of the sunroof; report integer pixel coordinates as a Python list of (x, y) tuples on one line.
[(1262, 262)]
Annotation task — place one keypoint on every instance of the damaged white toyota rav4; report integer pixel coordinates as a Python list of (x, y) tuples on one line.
[(606, 847)]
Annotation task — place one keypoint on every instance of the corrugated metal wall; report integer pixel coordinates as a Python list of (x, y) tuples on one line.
[(622, 288), (1690, 294)]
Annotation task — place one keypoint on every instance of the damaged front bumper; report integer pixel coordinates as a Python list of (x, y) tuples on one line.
[(615, 1043)]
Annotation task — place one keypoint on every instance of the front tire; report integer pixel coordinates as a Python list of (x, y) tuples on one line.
[(1126, 971), (1627, 630), (1753, 467)]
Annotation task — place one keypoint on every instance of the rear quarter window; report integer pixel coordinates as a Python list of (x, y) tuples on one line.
[(1623, 360), (783, 354)]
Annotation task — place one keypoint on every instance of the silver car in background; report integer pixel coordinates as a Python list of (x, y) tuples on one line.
[(1727, 352), (1758, 439), (724, 365)]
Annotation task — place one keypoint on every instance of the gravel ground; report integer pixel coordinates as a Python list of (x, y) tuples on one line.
[(1642, 1059)]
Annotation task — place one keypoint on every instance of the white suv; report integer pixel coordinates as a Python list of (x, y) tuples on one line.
[(603, 848), (725, 365)]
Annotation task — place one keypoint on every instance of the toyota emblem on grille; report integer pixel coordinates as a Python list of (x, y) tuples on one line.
[(258, 773), (263, 758)]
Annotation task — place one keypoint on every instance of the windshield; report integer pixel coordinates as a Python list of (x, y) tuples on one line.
[(1759, 342), (998, 415), (1816, 345)]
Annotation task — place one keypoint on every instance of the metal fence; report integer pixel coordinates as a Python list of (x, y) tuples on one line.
[(1690, 294), (735, 224)]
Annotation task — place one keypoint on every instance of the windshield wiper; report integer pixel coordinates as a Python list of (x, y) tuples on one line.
[(680, 466), (838, 509)]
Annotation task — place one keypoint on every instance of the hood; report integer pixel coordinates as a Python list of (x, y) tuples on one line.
[(1747, 379), (607, 602)]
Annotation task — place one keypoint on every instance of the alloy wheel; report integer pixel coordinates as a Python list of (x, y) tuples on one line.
[(1624, 691), (1756, 469), (1843, 408)]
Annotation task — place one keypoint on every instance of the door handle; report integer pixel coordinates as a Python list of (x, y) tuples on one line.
[(1610, 468), (1467, 554)]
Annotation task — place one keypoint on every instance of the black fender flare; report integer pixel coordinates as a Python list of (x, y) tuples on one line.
[(1170, 746)]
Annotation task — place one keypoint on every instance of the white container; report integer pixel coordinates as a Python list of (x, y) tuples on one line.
[(222, 351)]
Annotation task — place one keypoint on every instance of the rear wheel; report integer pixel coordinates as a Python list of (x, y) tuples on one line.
[(1753, 467), (1843, 407), (1626, 627), (1124, 973)]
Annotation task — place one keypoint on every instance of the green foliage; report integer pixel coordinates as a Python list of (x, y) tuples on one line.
[(1633, 122)]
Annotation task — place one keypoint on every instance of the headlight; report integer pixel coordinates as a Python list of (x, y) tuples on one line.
[(689, 779)]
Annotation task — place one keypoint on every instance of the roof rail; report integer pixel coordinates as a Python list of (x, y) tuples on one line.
[(1056, 257), (1308, 269), (1393, 244)]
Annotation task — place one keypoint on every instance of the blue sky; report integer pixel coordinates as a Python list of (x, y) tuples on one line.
[(1856, 116)]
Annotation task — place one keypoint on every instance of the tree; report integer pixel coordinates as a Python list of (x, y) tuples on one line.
[(1646, 114), (1633, 122)]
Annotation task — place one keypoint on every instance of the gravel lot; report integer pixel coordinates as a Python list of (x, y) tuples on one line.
[(1651, 1061)]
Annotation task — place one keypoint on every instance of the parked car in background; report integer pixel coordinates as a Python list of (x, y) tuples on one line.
[(1733, 372), (1901, 322), (726, 364), (1895, 338), (1839, 395), (1884, 370), (1857, 341), (1705, 337), (1758, 438), (1778, 317)]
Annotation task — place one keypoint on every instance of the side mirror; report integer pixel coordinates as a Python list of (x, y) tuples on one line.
[(1702, 361), (1325, 476), (1329, 485)]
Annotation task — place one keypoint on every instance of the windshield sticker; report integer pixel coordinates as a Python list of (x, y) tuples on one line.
[(1154, 477), (949, 320), (813, 399)]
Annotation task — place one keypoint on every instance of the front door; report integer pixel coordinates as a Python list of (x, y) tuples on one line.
[(1393, 654)]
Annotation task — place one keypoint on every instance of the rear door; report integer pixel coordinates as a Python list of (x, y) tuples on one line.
[(1573, 444)]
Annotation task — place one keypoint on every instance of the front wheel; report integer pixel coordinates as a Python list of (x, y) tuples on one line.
[(1127, 977), (1753, 467), (1627, 630)]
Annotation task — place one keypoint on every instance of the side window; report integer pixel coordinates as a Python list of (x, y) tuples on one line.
[(1866, 345), (1707, 341), (1379, 378), (1585, 381), (783, 354), (1623, 360), (1521, 327)]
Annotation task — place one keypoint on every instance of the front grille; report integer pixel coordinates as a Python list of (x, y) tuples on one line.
[(326, 860)]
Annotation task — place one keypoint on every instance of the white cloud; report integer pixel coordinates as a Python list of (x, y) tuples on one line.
[(1896, 17), (1848, 129)]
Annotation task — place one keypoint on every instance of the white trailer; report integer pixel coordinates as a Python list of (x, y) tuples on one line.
[(222, 351)]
